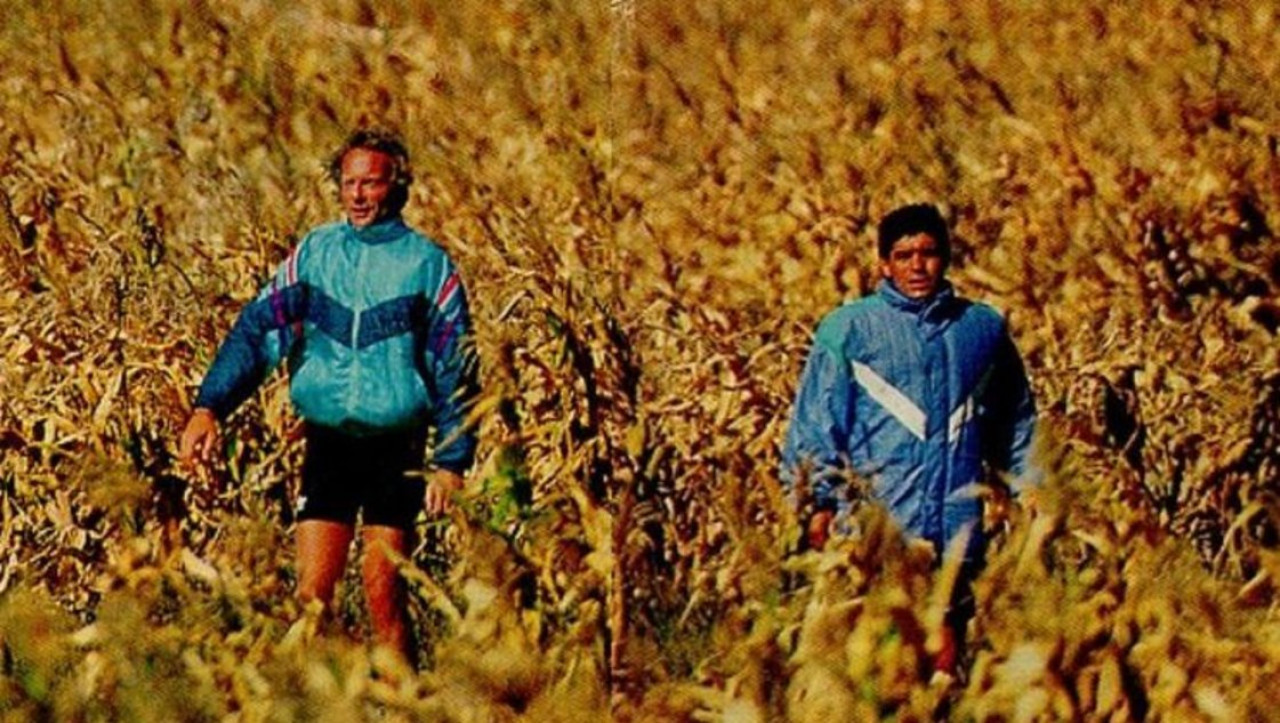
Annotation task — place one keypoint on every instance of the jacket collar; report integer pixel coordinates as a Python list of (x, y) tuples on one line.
[(388, 229), (930, 308)]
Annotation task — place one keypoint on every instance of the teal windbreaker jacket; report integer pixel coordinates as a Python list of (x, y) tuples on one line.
[(374, 325)]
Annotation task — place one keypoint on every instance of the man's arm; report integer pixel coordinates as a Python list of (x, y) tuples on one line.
[(1011, 414), (817, 435), (449, 358), (245, 357)]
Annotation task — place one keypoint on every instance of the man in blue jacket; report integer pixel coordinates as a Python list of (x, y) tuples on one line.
[(914, 390), (372, 319)]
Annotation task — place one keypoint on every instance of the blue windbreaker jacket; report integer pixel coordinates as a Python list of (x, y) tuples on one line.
[(912, 396), (375, 327)]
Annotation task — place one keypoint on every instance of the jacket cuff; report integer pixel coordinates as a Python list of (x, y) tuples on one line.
[(458, 468), (204, 400)]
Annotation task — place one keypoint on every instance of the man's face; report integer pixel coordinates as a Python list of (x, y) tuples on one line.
[(365, 185), (915, 266)]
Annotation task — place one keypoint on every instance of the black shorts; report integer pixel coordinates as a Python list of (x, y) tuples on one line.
[(343, 475)]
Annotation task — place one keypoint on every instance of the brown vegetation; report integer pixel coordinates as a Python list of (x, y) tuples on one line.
[(653, 204)]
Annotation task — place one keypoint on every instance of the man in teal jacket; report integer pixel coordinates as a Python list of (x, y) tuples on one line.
[(372, 319), (915, 390)]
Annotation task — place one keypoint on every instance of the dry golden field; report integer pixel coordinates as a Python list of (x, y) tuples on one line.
[(653, 204)]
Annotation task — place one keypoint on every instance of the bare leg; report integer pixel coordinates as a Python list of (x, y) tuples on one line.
[(322, 555), (384, 588)]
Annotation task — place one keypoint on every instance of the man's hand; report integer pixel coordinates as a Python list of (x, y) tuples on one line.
[(441, 486), (944, 661), (820, 528), (199, 437)]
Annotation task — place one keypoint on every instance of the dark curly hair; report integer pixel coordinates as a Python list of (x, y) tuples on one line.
[(910, 220), (383, 141)]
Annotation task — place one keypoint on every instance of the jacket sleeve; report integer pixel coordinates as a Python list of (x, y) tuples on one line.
[(1011, 415), (251, 349), (818, 432), (450, 367)]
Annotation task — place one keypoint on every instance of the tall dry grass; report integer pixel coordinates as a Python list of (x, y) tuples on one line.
[(652, 205)]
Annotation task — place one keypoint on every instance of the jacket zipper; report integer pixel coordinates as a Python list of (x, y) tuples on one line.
[(354, 385)]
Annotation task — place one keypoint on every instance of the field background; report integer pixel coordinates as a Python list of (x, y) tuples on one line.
[(653, 204)]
